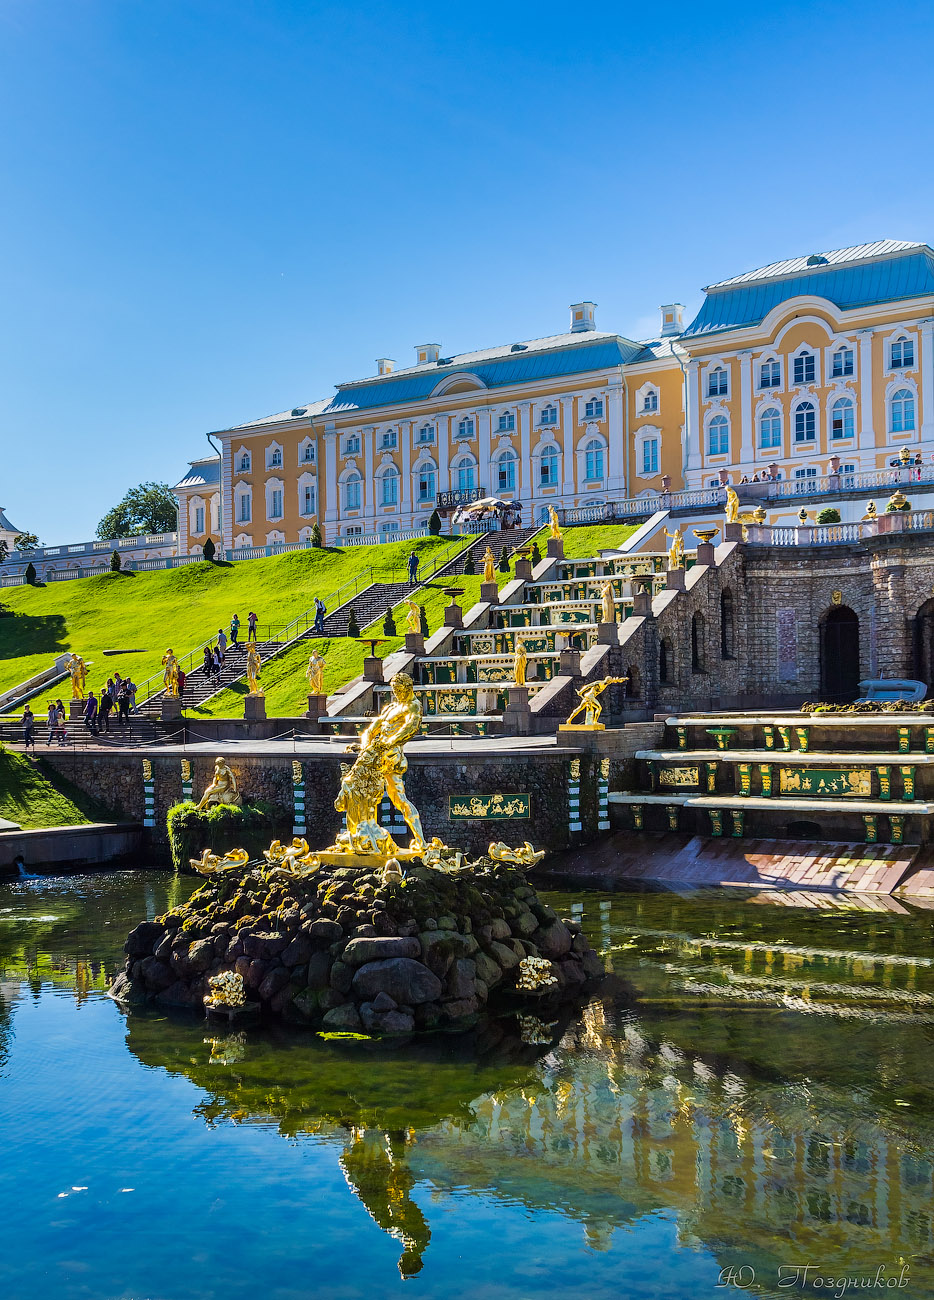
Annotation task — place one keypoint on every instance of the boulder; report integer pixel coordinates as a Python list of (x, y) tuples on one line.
[(503, 955), (273, 982), (298, 951), (341, 977), (487, 969), (459, 1008), (554, 940), (324, 931), (303, 1006), (265, 946), (131, 993), (139, 942), (344, 1017), (360, 951), (163, 948), (404, 979), (499, 928), (525, 925), (383, 1002), (156, 974), (396, 1022), (462, 979), (201, 954), (319, 970), (180, 994)]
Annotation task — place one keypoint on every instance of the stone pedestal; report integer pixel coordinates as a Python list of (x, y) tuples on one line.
[(733, 532), (489, 592), (705, 552), (317, 707), (569, 663), (254, 708), (414, 643), (372, 669), (76, 710), (555, 548), (524, 569), (170, 709), (454, 615), (642, 601), (607, 634), (517, 719), (674, 580)]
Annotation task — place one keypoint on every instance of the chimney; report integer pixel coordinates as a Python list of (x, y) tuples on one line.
[(582, 317), (384, 365), (672, 318), (427, 353)]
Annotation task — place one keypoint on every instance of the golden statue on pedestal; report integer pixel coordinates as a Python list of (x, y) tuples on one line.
[(253, 665), (607, 603), (871, 511), (223, 789), (519, 662), (489, 566), (170, 676), (413, 619), (78, 672), (315, 673), (676, 550), (589, 702), (379, 768), (732, 506), (554, 528)]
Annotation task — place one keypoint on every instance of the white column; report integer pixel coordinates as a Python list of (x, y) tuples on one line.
[(692, 431), (746, 454), (570, 443), (927, 380), (332, 496), (227, 518), (444, 447), (181, 546), (369, 484), (867, 436), (484, 471), (526, 480), (406, 429), (615, 437)]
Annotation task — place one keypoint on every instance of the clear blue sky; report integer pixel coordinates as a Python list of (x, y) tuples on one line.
[(211, 211)]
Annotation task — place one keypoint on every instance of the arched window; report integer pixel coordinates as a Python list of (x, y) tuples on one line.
[(805, 421), (804, 368), (389, 495), (841, 418), (593, 460), (717, 382), (548, 467), (770, 428), (243, 462), (770, 375), (466, 473), (465, 428), (425, 482), (306, 498), (650, 401), (902, 354), (593, 410), (697, 643), (842, 363), (352, 491), (718, 435), (903, 411), (549, 415), (506, 470), (727, 639), (426, 433)]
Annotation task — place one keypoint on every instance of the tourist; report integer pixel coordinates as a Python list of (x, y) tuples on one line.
[(104, 706), (235, 631), (222, 642), (413, 568), (110, 690), (182, 678), (60, 716), (320, 610), (251, 621), (208, 666), (29, 729), (90, 713), (52, 720), (131, 694), (216, 666), (118, 685), (123, 706)]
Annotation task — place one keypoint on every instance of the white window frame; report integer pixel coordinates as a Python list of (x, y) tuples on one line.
[(275, 458), (243, 461), (900, 340), (835, 350), (595, 408), (897, 386), (545, 420), (721, 419), (800, 405), (722, 370), (389, 474), (506, 456), (765, 411), (772, 360), (465, 466), (802, 353), (834, 398), (506, 422), (304, 446)]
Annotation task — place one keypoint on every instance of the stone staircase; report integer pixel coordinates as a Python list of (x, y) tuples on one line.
[(199, 686)]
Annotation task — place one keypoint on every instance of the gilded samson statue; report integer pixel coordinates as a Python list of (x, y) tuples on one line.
[(223, 789), (589, 702)]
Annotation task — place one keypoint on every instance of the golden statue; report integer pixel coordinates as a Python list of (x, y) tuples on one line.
[(554, 528), (871, 512), (413, 619), (78, 672), (489, 566), (209, 864), (223, 789), (732, 506), (758, 515), (315, 673), (524, 856), (520, 661), (170, 676), (590, 704), (607, 603), (379, 768), (253, 665), (676, 550), (296, 857)]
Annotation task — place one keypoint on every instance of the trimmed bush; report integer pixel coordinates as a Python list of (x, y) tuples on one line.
[(353, 627), (316, 542), (434, 524), (30, 574), (208, 550), (423, 620), (221, 828), (389, 624), (503, 561), (536, 553), (468, 563), (829, 515), (116, 563)]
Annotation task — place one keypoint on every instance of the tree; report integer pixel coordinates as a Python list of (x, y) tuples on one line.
[(422, 620), (4, 551), (316, 537), (149, 508), (116, 563), (389, 624), (434, 524), (829, 515), (26, 542), (209, 550), (30, 574), (353, 627)]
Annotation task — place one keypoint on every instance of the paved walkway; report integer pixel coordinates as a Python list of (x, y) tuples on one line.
[(330, 746)]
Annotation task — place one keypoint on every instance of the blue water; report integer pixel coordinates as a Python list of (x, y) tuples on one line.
[(751, 1091)]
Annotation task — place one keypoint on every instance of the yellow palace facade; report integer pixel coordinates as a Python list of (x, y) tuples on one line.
[(793, 370)]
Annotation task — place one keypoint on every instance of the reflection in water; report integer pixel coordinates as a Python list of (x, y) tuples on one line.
[(757, 1072)]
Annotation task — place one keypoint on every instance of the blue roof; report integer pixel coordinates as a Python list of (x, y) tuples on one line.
[(496, 372), (906, 276)]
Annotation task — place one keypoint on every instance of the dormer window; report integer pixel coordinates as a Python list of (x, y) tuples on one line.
[(243, 463), (426, 433), (804, 368), (842, 364), (352, 445), (593, 410), (308, 453), (902, 354), (389, 439), (507, 422), (717, 382), (650, 402), (465, 428), (274, 458), (549, 415), (770, 375)]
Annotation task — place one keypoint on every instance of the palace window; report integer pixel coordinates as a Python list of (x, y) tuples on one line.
[(389, 495), (770, 375), (466, 474), (274, 458), (243, 463), (842, 363), (426, 483), (549, 415), (465, 428), (506, 471), (902, 354), (593, 410), (770, 428), (244, 508), (841, 418), (199, 520), (903, 411), (805, 421), (649, 457), (804, 368), (426, 433), (352, 492), (593, 460), (308, 453), (548, 467), (352, 445), (308, 500), (650, 402), (718, 436), (507, 422), (389, 440), (717, 382), (275, 503)]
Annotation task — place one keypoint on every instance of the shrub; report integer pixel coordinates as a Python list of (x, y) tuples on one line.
[(536, 553), (208, 550), (353, 627), (423, 620), (829, 515), (30, 574), (223, 827), (468, 562), (316, 537), (116, 563), (893, 506), (389, 624), (504, 561), (434, 524)]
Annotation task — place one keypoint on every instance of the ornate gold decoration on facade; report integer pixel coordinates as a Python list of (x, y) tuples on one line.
[(78, 672), (186, 769), (825, 782), (223, 788), (297, 776), (677, 776), (490, 807), (836, 597), (451, 703)]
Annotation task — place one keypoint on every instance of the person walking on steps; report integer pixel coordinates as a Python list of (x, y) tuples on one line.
[(413, 568), (251, 621), (123, 706), (104, 706), (235, 632), (222, 642), (60, 716), (320, 611), (29, 730), (90, 713), (52, 720)]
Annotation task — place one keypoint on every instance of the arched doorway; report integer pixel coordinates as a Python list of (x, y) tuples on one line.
[(839, 655), (924, 644)]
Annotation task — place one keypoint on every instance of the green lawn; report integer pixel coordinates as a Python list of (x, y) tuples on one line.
[(36, 796), (143, 613), (590, 539)]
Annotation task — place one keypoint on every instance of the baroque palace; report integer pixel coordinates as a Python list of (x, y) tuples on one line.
[(812, 364)]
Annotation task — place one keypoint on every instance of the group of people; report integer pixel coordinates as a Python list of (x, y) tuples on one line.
[(214, 655), (118, 697), (58, 730)]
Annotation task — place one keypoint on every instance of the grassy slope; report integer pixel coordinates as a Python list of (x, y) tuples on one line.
[(177, 607), (29, 797), (590, 539)]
